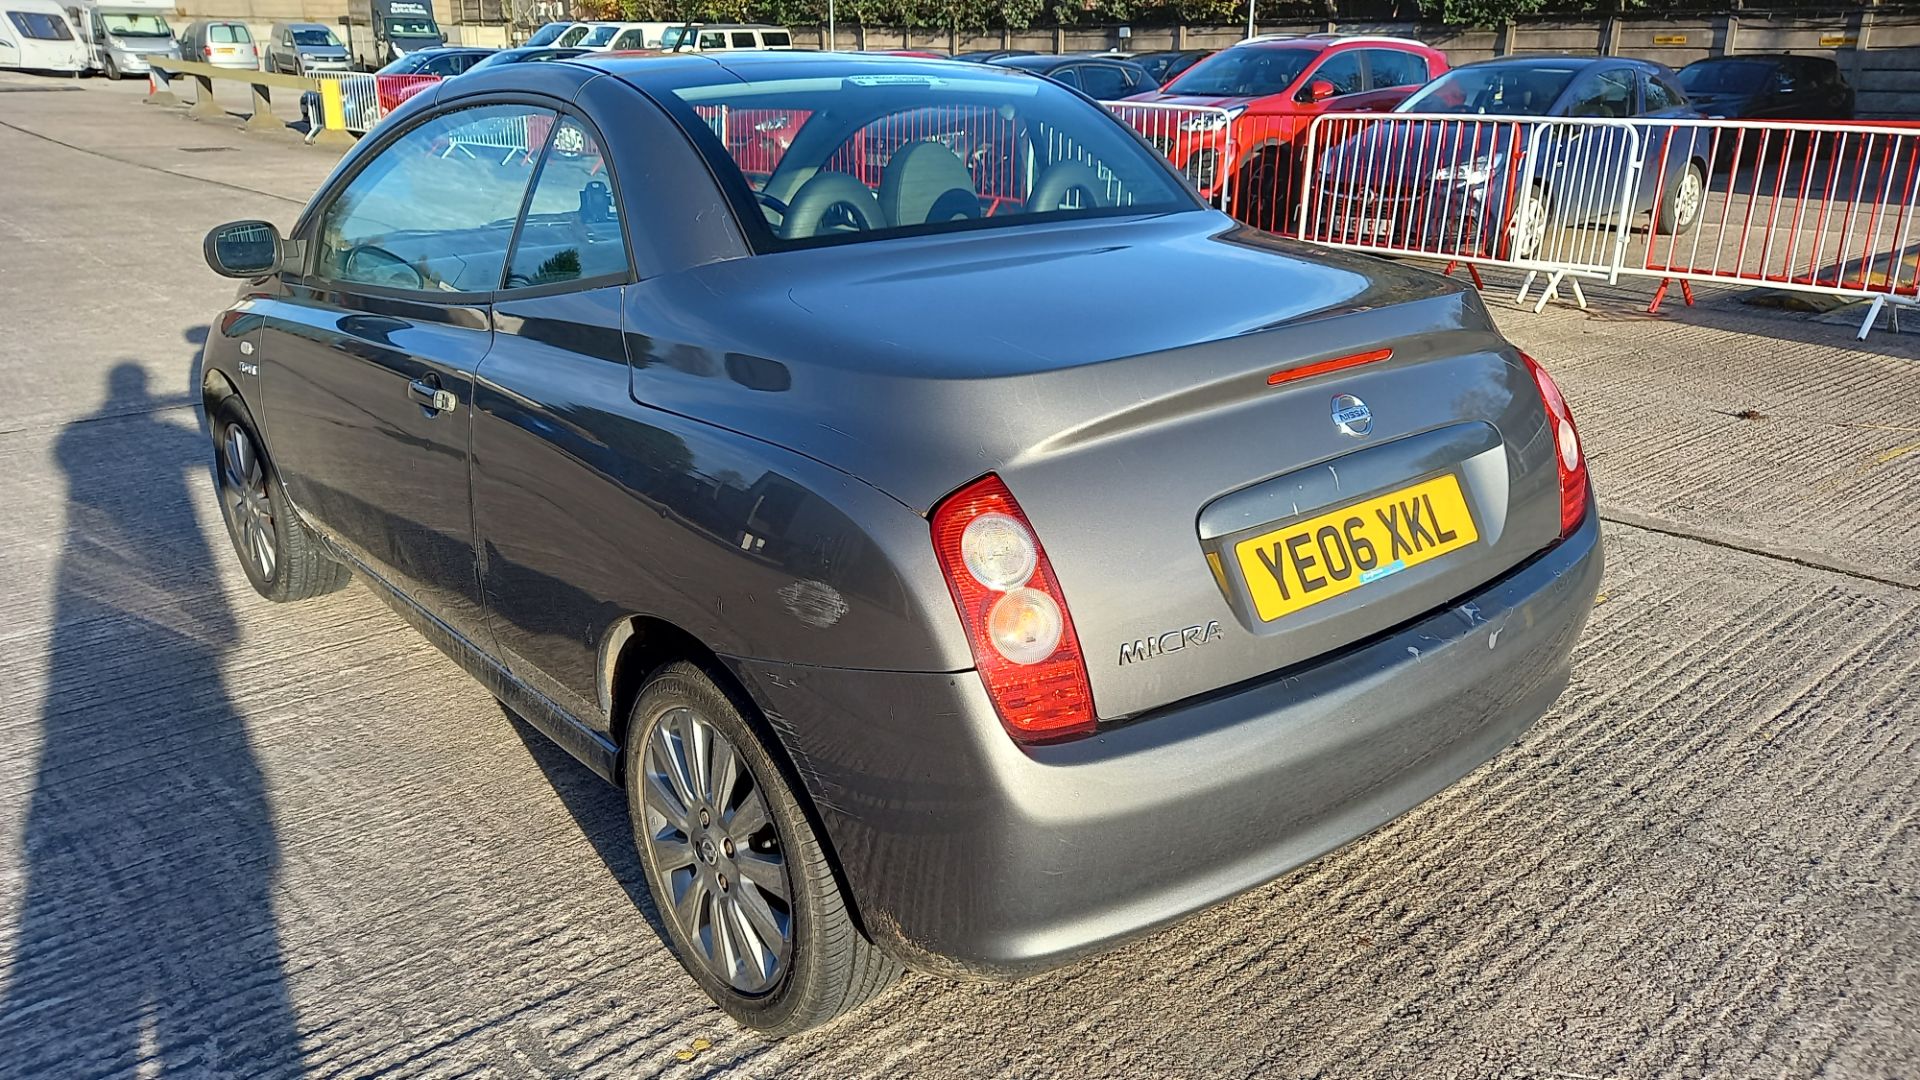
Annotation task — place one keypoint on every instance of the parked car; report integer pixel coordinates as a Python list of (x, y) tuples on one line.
[(444, 62), (1100, 78), (611, 36), (1164, 66), (300, 48), (918, 637), (1271, 91), (549, 34), (220, 42), (124, 36), (725, 37), (523, 55), (36, 35), (1760, 87), (983, 56), (1501, 176)]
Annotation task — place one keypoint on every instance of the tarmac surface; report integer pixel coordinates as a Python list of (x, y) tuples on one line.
[(241, 839)]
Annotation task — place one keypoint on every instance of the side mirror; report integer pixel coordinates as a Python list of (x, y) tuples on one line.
[(243, 249), (1319, 90)]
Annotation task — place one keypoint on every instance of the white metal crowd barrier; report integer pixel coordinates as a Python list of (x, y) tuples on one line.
[(1815, 207), (366, 99), (1197, 140)]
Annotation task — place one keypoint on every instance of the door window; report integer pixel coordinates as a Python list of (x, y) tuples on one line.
[(713, 39), (743, 39), (1660, 95), (776, 39), (1609, 93), (435, 210), (1343, 71), (630, 39), (1392, 67), (572, 228), (1103, 82), (1068, 76)]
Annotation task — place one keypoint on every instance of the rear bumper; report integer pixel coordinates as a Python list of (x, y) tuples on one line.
[(969, 855)]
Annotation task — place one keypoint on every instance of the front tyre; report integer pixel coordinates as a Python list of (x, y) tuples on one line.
[(742, 883), (283, 559), (1681, 205)]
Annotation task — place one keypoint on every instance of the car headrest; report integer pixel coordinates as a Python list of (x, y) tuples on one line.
[(925, 181)]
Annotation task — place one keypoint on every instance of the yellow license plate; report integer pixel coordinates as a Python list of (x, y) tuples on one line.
[(1301, 564)]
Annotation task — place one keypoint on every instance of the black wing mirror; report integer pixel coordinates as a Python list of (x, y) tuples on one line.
[(246, 249)]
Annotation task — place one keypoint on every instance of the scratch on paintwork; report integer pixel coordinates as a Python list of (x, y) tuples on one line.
[(1415, 653), (1493, 639), (814, 603), (1336, 477)]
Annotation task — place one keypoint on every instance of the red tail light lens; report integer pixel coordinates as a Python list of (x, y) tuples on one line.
[(1569, 459), (206, 50), (1015, 617)]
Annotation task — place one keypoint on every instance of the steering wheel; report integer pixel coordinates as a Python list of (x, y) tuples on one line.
[(1062, 180), (771, 203), (831, 202)]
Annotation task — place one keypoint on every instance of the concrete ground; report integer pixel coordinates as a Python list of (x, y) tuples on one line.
[(240, 839)]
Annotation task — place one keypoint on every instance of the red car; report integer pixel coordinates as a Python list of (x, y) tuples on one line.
[(1272, 89)]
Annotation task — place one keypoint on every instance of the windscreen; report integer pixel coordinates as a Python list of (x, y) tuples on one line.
[(412, 27), (600, 37), (675, 37), (1243, 72), (135, 25), (546, 34), (1492, 91), (316, 37), (846, 158), (1724, 77)]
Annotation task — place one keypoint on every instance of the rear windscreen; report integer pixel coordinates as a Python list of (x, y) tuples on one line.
[(229, 33), (843, 158)]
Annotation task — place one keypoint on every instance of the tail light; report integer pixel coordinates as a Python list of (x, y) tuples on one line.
[(1015, 617), (206, 51), (1569, 460)]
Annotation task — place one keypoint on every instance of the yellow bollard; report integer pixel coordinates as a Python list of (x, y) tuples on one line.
[(333, 117)]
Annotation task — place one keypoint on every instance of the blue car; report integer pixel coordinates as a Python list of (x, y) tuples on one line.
[(1466, 186)]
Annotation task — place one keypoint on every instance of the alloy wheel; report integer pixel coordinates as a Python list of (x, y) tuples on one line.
[(713, 845), (1686, 201), (1529, 226), (243, 484)]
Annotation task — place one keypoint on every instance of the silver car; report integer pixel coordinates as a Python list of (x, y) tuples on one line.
[(221, 43), (300, 48)]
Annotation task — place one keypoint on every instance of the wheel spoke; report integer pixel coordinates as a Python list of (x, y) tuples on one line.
[(671, 759), (723, 771), (756, 953), (699, 753), (670, 854), (656, 792), (767, 871), (748, 819), (753, 905), (688, 910)]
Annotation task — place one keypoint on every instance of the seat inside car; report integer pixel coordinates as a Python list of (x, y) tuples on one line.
[(926, 182)]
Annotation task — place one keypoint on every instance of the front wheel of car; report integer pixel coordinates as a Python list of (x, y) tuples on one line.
[(282, 557), (1259, 193), (1680, 207), (740, 879)]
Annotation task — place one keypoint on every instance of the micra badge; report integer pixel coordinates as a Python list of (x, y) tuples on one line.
[(1132, 652)]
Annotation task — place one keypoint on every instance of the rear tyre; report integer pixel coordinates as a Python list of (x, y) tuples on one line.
[(1680, 205), (741, 881), (284, 560)]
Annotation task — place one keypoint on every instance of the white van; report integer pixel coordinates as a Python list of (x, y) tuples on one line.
[(35, 35), (725, 37)]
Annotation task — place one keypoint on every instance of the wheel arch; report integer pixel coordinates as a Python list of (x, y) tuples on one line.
[(639, 645)]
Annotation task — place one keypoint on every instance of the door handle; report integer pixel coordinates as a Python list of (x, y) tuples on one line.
[(428, 393)]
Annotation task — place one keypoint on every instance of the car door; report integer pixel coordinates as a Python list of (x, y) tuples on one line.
[(559, 360), (1104, 82), (368, 357)]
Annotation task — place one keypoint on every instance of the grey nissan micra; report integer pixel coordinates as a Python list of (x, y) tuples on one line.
[(967, 549)]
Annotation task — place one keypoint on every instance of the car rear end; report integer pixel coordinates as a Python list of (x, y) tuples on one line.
[(1238, 604), (229, 45)]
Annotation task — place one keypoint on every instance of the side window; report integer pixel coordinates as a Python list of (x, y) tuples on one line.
[(572, 228), (435, 210), (1343, 71), (572, 36), (743, 39), (776, 39), (1609, 93), (712, 39), (1103, 82), (1068, 75), (630, 39), (1392, 67), (1659, 96), (443, 66)]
